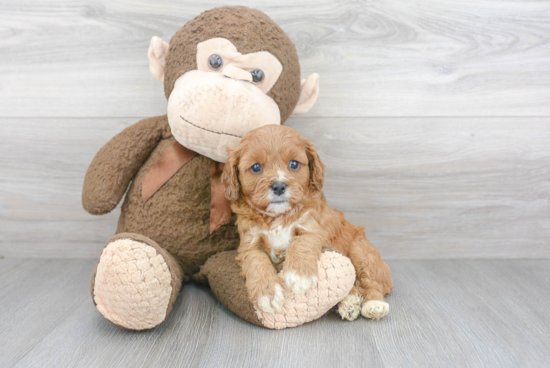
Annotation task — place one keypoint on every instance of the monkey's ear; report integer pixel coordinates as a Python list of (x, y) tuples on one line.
[(158, 49), (309, 90)]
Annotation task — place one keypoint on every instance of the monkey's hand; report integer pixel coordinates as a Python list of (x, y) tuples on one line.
[(117, 162)]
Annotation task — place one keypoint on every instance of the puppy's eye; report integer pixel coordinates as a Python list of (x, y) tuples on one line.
[(294, 165), (257, 76), (215, 62), (256, 168)]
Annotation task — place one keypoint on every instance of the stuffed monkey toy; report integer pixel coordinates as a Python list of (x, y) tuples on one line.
[(229, 70)]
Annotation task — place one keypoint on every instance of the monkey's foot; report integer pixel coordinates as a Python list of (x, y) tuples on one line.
[(336, 278), (135, 283)]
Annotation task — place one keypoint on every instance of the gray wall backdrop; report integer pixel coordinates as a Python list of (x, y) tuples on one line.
[(433, 117)]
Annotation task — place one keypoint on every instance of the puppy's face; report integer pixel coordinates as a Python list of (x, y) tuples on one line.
[(273, 168)]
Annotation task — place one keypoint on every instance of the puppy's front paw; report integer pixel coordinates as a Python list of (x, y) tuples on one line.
[(272, 302), (299, 284), (375, 309)]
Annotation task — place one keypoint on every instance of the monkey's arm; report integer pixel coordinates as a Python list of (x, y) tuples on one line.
[(118, 161)]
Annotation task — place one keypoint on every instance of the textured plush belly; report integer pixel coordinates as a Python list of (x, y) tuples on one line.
[(177, 216)]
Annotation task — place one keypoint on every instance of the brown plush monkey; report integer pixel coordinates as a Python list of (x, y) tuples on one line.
[(227, 71)]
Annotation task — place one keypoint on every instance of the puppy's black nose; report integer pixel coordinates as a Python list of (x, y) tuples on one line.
[(278, 187)]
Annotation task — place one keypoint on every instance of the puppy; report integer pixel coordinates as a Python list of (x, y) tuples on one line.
[(274, 179)]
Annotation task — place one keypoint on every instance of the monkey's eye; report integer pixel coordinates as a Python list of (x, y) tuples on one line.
[(294, 165), (215, 62), (256, 168), (257, 76)]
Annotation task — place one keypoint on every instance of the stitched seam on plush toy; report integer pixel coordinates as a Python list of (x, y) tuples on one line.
[(208, 130)]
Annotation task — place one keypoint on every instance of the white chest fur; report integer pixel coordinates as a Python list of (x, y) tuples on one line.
[(278, 238)]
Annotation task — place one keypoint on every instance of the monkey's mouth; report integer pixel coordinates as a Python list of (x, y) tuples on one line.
[(208, 130)]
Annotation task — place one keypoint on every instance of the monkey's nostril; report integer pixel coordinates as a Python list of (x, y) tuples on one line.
[(278, 187)]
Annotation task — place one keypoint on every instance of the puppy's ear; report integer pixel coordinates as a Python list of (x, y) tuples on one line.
[(316, 167), (230, 179)]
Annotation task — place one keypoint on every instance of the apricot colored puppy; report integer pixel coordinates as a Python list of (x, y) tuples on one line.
[(274, 179)]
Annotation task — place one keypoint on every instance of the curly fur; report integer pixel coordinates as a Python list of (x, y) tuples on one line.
[(303, 227)]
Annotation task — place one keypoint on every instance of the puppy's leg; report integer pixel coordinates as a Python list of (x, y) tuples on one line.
[(373, 278), (262, 282), (301, 264)]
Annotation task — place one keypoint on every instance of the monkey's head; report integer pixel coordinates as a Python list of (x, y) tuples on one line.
[(226, 72)]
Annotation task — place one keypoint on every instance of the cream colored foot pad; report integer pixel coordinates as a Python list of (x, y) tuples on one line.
[(132, 285)]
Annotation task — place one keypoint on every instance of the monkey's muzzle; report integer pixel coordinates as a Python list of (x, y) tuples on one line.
[(209, 112)]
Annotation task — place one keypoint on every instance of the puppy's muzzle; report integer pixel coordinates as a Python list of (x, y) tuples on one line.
[(278, 188)]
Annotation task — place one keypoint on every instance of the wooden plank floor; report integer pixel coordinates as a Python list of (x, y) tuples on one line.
[(443, 313)]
